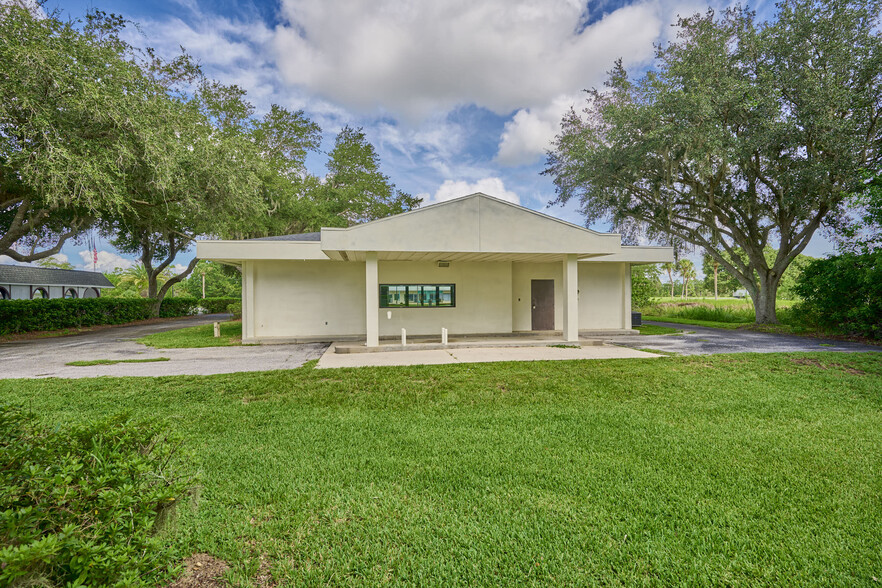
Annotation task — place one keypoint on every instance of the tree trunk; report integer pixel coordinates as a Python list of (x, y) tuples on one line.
[(764, 300), (170, 284)]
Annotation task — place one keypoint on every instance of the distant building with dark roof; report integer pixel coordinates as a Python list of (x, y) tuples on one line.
[(22, 282)]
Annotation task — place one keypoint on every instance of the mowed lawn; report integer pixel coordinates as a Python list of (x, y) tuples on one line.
[(724, 470)]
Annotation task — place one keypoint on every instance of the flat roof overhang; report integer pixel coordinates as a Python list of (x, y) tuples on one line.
[(235, 252)]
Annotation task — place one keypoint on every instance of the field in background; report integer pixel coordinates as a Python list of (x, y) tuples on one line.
[(726, 313)]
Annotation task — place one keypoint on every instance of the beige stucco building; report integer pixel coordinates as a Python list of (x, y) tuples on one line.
[(475, 266)]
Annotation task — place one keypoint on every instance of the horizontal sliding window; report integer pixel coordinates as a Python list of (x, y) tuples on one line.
[(417, 295)]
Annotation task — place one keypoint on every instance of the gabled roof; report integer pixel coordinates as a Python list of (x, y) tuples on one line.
[(476, 226), (45, 276)]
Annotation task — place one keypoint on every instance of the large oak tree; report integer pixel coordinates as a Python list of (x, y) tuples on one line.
[(744, 135), (76, 111)]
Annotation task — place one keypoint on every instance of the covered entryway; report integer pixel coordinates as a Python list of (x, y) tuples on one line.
[(542, 305)]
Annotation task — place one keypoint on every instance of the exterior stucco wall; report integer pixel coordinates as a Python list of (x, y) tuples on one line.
[(604, 296), (304, 299), (522, 275), (483, 298)]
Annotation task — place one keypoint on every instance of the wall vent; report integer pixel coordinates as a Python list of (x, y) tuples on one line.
[(443, 264)]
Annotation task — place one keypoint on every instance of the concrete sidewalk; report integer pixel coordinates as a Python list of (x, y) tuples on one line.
[(331, 359)]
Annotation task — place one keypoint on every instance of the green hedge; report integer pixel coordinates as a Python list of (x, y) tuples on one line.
[(82, 505), (22, 316)]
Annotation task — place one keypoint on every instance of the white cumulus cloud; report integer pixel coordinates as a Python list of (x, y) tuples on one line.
[(451, 189), (528, 135), (417, 58)]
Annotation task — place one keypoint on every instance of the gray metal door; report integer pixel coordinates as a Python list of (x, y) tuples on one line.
[(542, 302)]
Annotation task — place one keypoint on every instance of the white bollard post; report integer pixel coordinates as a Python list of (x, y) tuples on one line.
[(403, 337), (217, 329), (443, 336)]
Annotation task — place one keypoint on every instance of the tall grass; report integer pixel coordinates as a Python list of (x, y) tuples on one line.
[(738, 312)]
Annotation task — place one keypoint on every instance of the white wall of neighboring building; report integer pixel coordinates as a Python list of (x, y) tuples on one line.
[(24, 291)]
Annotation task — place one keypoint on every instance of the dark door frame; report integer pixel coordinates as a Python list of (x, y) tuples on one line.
[(542, 305)]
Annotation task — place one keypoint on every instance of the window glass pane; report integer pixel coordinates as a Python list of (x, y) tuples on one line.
[(417, 295), (391, 296), (413, 295), (428, 295), (445, 295)]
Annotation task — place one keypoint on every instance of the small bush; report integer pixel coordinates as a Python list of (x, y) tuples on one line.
[(80, 506), (235, 309)]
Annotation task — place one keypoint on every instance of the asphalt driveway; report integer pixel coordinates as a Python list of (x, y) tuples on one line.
[(705, 340), (46, 358)]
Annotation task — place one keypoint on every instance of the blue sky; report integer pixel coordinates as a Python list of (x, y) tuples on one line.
[(457, 96)]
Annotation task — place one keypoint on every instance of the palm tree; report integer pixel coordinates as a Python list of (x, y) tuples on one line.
[(138, 278), (686, 269), (669, 267)]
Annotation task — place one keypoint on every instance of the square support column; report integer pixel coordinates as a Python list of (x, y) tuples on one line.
[(372, 299), (571, 298), (248, 326), (626, 296)]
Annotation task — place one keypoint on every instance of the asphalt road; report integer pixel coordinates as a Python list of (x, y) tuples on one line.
[(46, 358), (705, 340)]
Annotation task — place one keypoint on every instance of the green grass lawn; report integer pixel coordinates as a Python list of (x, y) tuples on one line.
[(691, 321), (735, 470), (200, 336), (656, 330)]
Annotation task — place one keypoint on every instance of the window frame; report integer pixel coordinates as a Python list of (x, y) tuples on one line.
[(419, 294)]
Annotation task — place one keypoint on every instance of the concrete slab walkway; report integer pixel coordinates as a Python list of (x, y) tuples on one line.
[(331, 359)]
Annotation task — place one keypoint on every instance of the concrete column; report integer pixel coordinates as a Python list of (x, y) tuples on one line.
[(372, 299), (571, 298), (248, 329), (626, 295)]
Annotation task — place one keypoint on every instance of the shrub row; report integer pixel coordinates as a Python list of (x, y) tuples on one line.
[(22, 316), (843, 294), (82, 505)]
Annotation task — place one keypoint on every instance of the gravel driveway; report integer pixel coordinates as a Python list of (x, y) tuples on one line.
[(45, 358), (705, 340)]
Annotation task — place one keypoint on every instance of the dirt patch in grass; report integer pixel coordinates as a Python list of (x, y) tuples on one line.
[(202, 571), (826, 366), (264, 578)]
